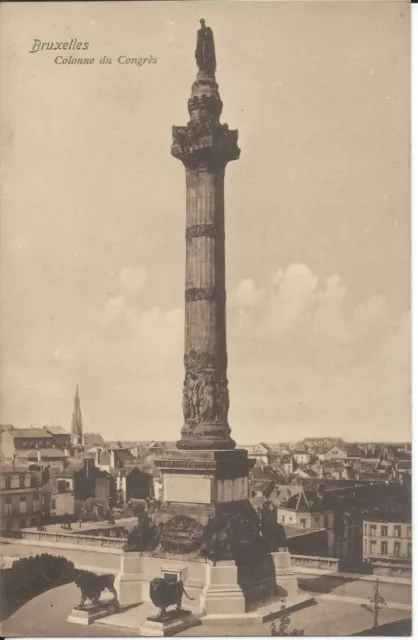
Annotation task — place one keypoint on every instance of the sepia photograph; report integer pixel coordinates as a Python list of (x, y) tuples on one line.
[(205, 328)]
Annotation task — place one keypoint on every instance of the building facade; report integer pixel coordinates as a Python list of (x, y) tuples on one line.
[(335, 453), (306, 510), (20, 500), (15, 440), (58, 494), (384, 540)]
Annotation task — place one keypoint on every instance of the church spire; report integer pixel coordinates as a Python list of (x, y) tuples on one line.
[(77, 421)]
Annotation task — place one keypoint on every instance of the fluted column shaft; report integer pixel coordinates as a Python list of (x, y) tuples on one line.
[(205, 147), (205, 331)]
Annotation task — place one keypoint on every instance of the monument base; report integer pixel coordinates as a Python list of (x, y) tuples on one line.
[(172, 623), (88, 613), (196, 482)]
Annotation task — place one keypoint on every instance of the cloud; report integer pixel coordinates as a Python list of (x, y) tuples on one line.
[(112, 310), (157, 331), (247, 295), (133, 279), (315, 363), (291, 295)]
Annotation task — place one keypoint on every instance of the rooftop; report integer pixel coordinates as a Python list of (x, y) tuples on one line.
[(31, 432), (57, 430)]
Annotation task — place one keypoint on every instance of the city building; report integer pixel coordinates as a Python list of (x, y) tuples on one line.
[(385, 540), (58, 494), (132, 483), (335, 452), (51, 457), (62, 438), (308, 510), (20, 501), (152, 451), (15, 440), (109, 459), (301, 456), (93, 440)]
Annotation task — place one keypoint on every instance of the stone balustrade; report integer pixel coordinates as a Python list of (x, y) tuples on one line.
[(315, 562), (66, 538)]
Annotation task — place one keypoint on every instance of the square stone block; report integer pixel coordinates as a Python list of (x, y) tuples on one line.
[(89, 613), (195, 488)]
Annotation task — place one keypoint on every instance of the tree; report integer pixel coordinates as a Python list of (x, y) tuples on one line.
[(284, 623), (377, 602)]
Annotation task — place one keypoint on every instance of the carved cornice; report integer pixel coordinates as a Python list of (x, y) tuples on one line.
[(205, 146), (200, 231), (185, 464)]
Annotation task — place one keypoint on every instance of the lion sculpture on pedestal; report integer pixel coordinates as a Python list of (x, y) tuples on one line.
[(91, 586), (164, 593)]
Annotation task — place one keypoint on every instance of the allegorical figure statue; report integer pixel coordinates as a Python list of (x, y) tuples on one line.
[(205, 50)]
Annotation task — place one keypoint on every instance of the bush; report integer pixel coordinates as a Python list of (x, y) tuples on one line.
[(28, 577), (284, 623)]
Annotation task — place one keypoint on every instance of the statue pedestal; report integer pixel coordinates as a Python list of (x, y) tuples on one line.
[(221, 593), (195, 482), (172, 623), (88, 613)]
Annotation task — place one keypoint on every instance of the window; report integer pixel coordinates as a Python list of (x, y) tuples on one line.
[(409, 550), (372, 546), (53, 503), (373, 529), (383, 532), (365, 529), (384, 548), (326, 522), (282, 518), (22, 498), (8, 482), (317, 524), (397, 531), (63, 486), (409, 532), (397, 549), (21, 481), (303, 523)]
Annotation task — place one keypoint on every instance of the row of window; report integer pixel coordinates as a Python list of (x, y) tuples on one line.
[(384, 530), (384, 549), (8, 508), (8, 481), (9, 499)]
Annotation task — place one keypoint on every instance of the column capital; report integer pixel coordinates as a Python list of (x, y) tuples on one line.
[(207, 146)]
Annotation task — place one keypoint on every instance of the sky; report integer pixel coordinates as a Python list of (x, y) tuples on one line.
[(317, 217)]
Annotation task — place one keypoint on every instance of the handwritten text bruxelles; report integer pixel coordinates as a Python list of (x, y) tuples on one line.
[(76, 45)]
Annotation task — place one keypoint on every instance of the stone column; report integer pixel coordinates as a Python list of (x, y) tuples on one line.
[(205, 147)]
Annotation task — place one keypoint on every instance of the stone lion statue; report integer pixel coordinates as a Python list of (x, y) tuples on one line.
[(91, 586), (164, 593)]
